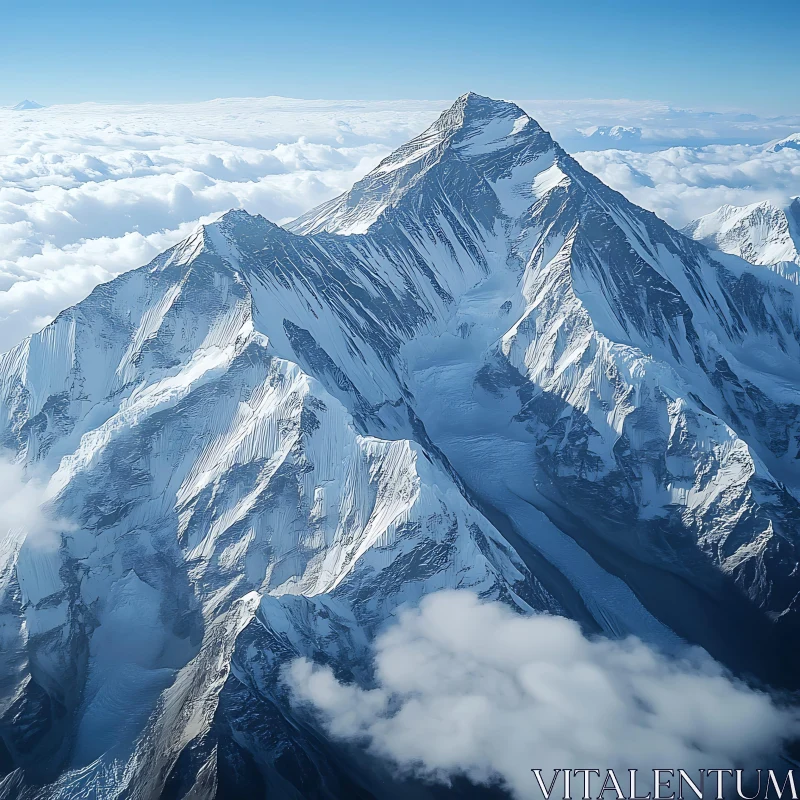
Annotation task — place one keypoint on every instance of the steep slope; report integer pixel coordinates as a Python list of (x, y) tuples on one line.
[(642, 366), (205, 475), (761, 233), (479, 368)]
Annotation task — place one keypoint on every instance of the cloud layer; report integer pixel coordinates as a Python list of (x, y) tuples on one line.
[(648, 125), (469, 688), (681, 183)]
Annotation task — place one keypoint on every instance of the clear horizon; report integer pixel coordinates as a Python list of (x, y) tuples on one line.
[(711, 55), (444, 102)]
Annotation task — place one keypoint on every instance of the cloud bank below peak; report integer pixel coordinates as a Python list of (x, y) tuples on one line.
[(470, 688), (683, 183)]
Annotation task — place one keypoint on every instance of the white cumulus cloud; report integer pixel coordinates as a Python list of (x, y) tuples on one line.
[(682, 183), (24, 514), (469, 688)]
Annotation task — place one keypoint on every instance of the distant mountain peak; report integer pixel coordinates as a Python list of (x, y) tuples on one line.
[(791, 142), (763, 233), (26, 105)]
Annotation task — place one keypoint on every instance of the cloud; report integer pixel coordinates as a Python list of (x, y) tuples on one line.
[(653, 125), (681, 183), (24, 515), (30, 571), (469, 688)]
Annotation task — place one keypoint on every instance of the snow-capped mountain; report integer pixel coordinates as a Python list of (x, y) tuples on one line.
[(26, 105), (762, 233), (791, 142), (601, 137), (480, 367)]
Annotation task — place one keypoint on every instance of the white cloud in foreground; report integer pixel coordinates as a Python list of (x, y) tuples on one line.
[(23, 512), (469, 688), (29, 569), (681, 183)]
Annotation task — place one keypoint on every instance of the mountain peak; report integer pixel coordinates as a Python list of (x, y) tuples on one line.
[(791, 142), (238, 215), (490, 137), (26, 105), (763, 233), (477, 102), (236, 225), (471, 111)]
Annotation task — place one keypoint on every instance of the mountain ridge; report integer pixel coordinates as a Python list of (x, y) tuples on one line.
[(762, 233)]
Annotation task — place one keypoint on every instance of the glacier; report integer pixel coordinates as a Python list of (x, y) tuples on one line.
[(480, 368)]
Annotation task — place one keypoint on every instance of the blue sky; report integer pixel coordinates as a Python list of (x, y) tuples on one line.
[(708, 54)]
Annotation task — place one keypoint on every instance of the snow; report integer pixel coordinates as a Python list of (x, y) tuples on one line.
[(547, 181), (522, 186), (762, 233), (493, 136), (791, 142), (411, 153)]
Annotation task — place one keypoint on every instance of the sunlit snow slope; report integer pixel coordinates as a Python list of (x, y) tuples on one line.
[(762, 233)]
